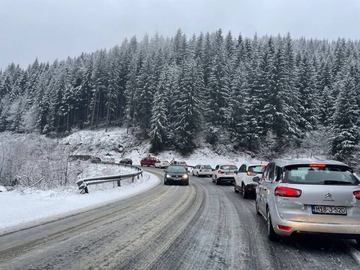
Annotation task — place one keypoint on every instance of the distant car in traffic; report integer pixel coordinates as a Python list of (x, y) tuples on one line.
[(161, 164), (180, 162), (176, 174), (244, 178), (316, 197), (148, 161), (224, 173), (109, 160), (127, 161), (95, 160), (202, 170)]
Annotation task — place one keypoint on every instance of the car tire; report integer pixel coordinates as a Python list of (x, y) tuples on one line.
[(197, 174), (217, 181), (235, 189), (244, 194), (257, 208), (270, 230), (165, 182), (357, 240)]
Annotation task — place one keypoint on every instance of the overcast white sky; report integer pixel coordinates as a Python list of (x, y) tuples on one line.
[(56, 29)]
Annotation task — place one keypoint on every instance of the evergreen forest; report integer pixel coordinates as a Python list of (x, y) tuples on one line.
[(261, 95)]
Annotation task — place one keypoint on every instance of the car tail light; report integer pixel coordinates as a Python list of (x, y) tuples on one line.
[(357, 194), (251, 173), (200, 170), (284, 228), (220, 172), (287, 192), (317, 165)]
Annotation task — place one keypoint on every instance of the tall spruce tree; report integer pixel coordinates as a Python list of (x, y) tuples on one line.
[(346, 120), (188, 114)]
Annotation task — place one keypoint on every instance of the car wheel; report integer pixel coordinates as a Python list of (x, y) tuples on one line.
[(165, 182), (217, 181), (357, 240), (257, 208), (197, 174), (192, 173), (243, 192), (270, 230), (235, 189)]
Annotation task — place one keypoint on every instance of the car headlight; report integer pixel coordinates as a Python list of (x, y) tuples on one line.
[(168, 176), (185, 176)]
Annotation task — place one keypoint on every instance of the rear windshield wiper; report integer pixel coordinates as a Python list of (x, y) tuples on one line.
[(337, 182)]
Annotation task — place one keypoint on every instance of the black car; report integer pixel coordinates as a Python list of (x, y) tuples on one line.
[(176, 174), (126, 161)]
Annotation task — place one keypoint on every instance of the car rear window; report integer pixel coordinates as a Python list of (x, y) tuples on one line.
[(228, 167), (257, 168), (206, 167), (321, 174)]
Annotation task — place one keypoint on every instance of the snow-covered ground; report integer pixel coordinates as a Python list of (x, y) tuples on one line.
[(22, 207)]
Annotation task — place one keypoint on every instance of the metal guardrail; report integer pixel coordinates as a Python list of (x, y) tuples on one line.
[(83, 183)]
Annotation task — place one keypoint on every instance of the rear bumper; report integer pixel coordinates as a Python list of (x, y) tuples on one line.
[(335, 229), (205, 174), (251, 188), (226, 179)]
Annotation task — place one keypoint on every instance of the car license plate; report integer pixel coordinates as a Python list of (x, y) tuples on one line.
[(229, 173), (329, 210)]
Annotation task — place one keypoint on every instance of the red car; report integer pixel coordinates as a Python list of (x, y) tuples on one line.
[(148, 161)]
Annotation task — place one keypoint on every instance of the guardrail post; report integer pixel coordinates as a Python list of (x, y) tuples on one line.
[(119, 183)]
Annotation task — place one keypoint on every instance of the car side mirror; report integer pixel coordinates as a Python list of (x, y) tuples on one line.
[(256, 179)]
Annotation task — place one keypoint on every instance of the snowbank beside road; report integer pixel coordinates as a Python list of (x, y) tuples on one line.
[(30, 207)]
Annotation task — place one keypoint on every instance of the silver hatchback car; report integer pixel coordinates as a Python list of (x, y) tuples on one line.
[(302, 196)]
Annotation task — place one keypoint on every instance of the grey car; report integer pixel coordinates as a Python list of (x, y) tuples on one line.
[(176, 174), (316, 197)]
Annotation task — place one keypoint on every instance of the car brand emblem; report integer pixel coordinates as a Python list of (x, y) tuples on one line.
[(328, 197)]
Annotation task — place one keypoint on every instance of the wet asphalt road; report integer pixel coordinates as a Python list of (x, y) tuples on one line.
[(200, 226)]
